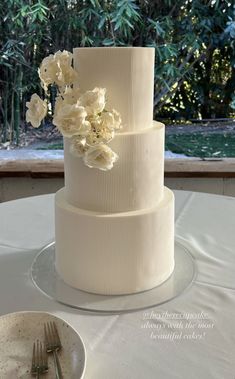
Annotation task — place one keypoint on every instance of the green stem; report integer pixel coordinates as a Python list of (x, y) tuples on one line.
[(5, 108)]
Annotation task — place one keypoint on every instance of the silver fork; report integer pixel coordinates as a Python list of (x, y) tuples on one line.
[(53, 345), (39, 359)]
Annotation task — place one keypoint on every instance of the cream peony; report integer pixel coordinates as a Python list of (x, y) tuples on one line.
[(78, 146), (93, 101), (37, 110), (111, 120), (101, 157), (71, 120), (57, 69)]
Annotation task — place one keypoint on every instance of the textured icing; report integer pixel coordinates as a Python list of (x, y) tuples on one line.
[(135, 181), (128, 76), (115, 230), (115, 253)]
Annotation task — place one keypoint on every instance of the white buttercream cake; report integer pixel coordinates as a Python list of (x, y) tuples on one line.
[(114, 229)]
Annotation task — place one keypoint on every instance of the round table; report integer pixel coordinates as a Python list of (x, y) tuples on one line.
[(192, 336)]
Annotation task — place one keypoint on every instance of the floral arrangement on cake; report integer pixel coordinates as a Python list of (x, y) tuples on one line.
[(82, 117)]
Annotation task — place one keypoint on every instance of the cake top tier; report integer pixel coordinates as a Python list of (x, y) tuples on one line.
[(128, 75)]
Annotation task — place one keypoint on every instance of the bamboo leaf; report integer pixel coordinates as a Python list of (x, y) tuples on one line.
[(107, 42), (102, 22)]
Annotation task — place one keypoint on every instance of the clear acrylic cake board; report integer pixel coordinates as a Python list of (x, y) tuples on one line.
[(45, 277)]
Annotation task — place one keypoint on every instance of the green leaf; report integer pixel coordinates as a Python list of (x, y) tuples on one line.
[(102, 22), (107, 42), (118, 24), (126, 21)]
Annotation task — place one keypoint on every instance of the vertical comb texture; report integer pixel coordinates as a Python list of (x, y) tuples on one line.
[(135, 182), (115, 253), (128, 75)]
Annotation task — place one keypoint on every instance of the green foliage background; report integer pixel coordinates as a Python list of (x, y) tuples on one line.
[(194, 43)]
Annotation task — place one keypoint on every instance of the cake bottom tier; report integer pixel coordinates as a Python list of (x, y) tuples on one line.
[(118, 253)]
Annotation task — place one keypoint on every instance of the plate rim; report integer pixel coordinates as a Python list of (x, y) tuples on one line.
[(28, 312)]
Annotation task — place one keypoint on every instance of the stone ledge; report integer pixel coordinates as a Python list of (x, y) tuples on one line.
[(31, 163), (196, 167), (51, 164), (32, 168)]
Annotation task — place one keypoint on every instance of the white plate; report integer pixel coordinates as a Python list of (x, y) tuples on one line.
[(19, 330)]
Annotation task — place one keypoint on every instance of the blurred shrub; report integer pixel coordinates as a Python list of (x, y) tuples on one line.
[(194, 43)]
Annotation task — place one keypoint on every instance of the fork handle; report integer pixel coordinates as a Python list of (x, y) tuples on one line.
[(58, 371)]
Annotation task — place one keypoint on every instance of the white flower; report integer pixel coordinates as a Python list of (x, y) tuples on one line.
[(47, 71), (64, 58), (111, 120), (78, 146), (96, 137), (99, 133), (66, 75), (37, 110), (117, 119), (101, 157), (71, 95), (71, 120), (93, 101), (57, 69), (59, 102)]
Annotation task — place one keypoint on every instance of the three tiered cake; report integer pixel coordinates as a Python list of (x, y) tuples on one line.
[(114, 229)]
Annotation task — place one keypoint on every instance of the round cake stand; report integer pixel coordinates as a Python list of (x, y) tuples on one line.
[(45, 277)]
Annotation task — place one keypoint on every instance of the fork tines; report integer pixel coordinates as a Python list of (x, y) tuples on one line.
[(52, 336), (39, 358)]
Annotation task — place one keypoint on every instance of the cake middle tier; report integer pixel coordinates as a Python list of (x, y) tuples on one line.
[(135, 182)]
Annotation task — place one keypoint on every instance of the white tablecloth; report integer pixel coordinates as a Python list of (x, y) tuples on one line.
[(192, 336)]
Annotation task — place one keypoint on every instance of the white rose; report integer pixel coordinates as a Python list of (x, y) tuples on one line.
[(97, 137), (59, 102), (111, 120), (71, 95), (99, 133), (93, 101), (78, 146), (71, 120), (101, 157), (117, 119), (47, 71), (66, 75), (57, 69), (37, 110), (63, 58)]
